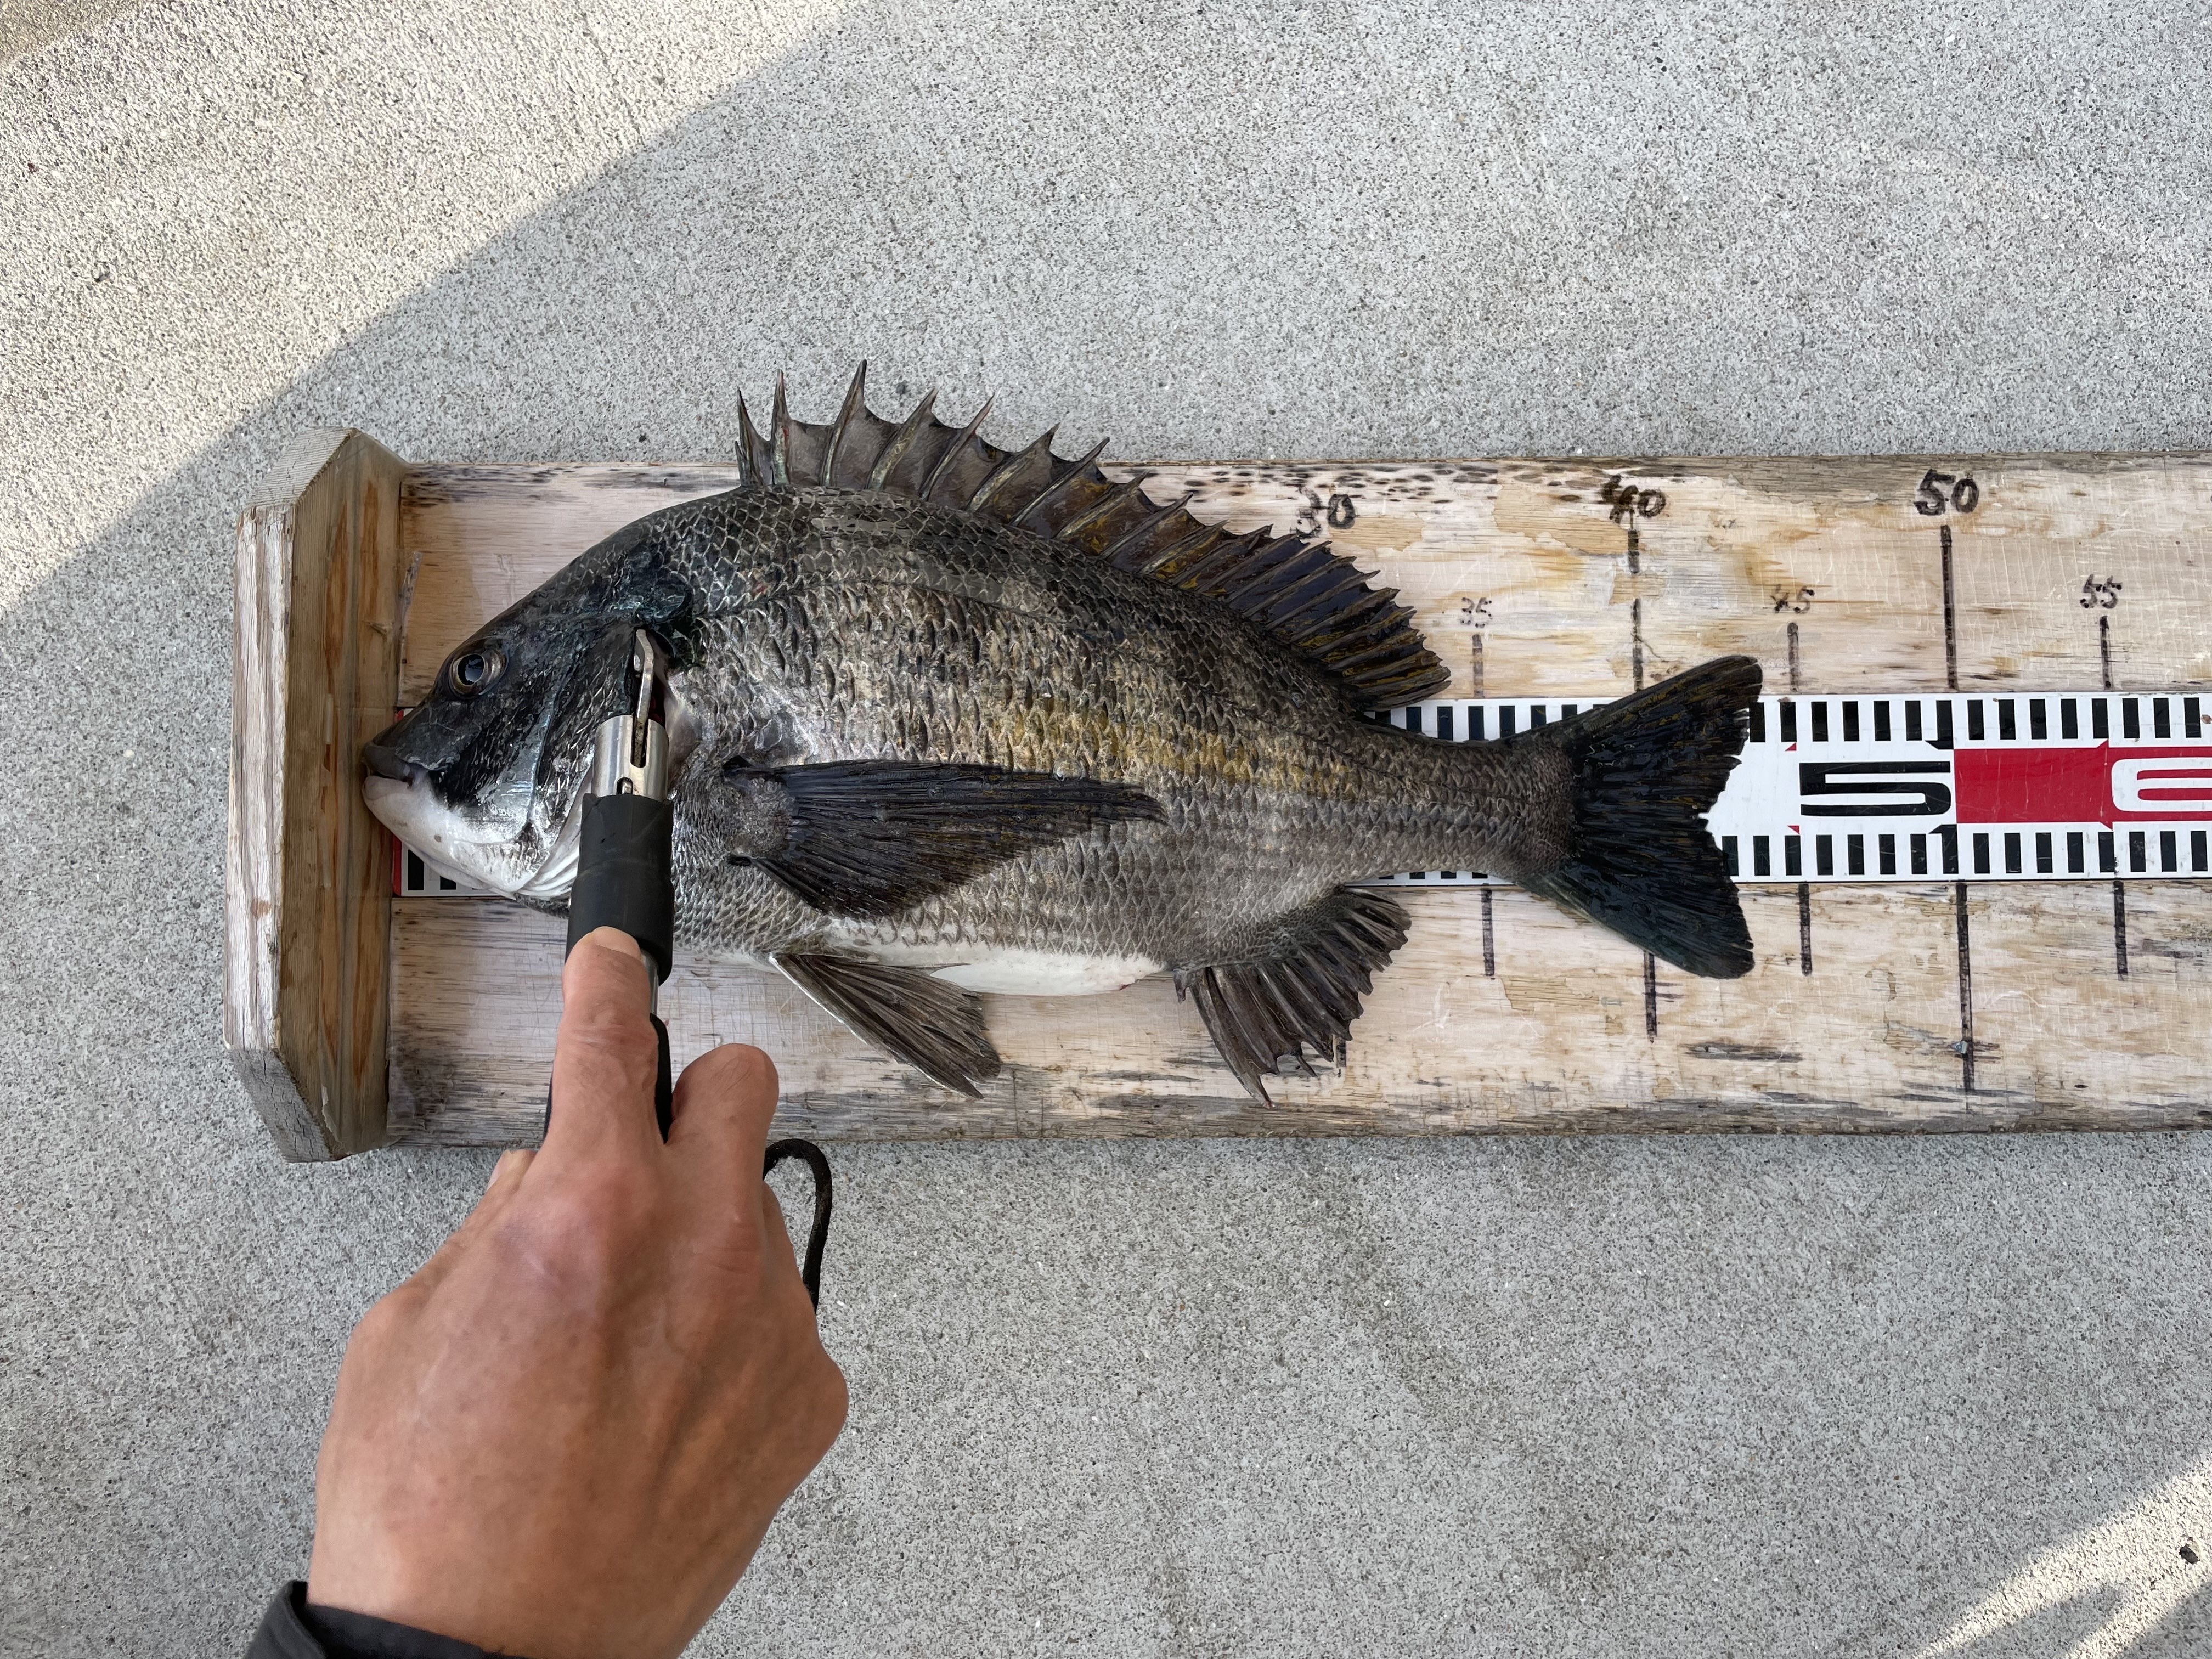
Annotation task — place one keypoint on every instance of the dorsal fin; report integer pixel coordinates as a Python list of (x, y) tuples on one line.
[(1295, 587)]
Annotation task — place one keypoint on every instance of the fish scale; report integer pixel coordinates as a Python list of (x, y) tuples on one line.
[(1250, 750)]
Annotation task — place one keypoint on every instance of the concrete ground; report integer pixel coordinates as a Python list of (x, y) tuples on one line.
[(1626, 1397)]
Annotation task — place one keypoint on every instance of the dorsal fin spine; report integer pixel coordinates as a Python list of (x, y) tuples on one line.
[(1201, 541), (1298, 580), (854, 395), (1140, 532), (779, 436), (1218, 573), (901, 440), (1260, 565), (966, 436), (1318, 592), (1358, 617), (1103, 507), (1006, 470), (1060, 481), (751, 450), (1346, 664)]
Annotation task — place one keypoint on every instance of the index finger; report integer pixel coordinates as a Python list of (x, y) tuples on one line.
[(606, 1057)]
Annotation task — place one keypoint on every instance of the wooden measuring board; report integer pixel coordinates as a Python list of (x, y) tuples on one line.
[(1978, 1000)]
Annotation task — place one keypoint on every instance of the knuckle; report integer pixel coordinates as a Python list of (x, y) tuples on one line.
[(612, 1035), (381, 1322), (831, 1402), (611, 1201), (384, 1326), (736, 1256), (588, 1227)]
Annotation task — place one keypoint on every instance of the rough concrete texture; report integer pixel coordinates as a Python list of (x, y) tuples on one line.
[(1631, 1397)]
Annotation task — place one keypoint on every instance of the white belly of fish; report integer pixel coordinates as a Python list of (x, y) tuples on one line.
[(1015, 972), (1046, 973)]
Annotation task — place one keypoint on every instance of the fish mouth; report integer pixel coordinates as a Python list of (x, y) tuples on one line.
[(400, 797), (387, 765), (401, 804)]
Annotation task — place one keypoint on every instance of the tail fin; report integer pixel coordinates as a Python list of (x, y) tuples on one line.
[(1646, 770)]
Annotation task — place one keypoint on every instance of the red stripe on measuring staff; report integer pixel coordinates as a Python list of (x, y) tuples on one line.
[(2095, 785)]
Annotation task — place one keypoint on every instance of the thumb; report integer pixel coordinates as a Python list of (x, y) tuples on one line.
[(499, 1193)]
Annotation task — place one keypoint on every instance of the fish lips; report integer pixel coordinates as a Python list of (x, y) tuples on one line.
[(409, 808)]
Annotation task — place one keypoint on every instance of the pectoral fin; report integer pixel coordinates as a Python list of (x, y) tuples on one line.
[(867, 839), (936, 1028)]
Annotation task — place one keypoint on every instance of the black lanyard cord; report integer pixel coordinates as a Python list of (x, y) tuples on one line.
[(810, 1271)]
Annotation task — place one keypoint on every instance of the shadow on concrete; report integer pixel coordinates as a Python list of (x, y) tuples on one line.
[(2184, 1633), (27, 25)]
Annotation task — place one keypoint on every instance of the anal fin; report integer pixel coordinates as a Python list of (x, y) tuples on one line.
[(937, 1028), (1300, 989)]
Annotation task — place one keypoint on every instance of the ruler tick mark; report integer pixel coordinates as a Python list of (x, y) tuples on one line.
[(1966, 988), (2119, 928), (1950, 616)]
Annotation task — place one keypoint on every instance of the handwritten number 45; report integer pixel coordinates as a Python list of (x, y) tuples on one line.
[(1938, 491)]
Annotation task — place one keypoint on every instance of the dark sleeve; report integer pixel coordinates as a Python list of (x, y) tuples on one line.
[(290, 1629)]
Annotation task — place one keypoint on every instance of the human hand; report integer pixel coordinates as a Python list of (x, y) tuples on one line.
[(567, 1434)]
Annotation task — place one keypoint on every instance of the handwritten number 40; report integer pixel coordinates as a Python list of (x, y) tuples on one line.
[(1938, 491), (1625, 498)]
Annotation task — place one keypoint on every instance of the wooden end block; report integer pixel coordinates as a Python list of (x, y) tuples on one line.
[(307, 890)]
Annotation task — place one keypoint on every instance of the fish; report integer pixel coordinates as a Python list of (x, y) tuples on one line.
[(946, 719)]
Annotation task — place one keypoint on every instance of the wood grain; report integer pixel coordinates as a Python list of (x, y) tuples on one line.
[(1530, 584), (307, 908)]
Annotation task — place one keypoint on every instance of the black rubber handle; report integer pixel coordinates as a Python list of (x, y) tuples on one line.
[(623, 881), (623, 875)]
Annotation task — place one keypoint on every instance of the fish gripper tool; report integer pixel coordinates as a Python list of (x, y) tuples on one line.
[(623, 875), (625, 880)]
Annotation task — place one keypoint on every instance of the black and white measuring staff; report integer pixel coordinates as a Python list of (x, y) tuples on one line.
[(2014, 786), (625, 880)]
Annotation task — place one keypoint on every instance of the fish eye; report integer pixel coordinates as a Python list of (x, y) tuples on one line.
[(474, 670)]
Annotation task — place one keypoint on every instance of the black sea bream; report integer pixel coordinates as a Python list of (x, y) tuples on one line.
[(947, 719)]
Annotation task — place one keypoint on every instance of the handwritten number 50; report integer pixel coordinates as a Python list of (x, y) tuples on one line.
[(1938, 491)]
